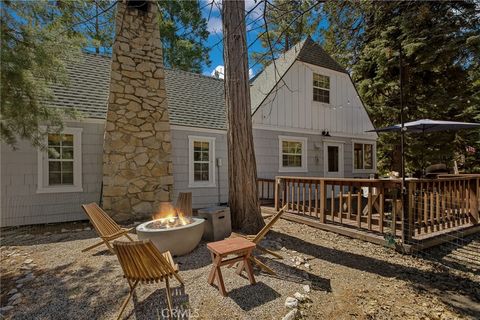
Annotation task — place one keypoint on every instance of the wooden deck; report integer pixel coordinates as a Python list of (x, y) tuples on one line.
[(436, 210)]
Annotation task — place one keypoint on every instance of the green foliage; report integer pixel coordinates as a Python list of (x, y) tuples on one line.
[(184, 33), (35, 46), (441, 59), (288, 22)]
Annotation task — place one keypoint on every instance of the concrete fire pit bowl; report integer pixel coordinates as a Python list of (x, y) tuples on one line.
[(179, 240)]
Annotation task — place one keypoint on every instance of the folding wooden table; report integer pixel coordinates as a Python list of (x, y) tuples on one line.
[(241, 248)]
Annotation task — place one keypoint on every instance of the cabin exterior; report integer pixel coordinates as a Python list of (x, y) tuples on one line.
[(307, 121)]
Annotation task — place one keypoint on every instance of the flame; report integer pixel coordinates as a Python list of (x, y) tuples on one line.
[(168, 217)]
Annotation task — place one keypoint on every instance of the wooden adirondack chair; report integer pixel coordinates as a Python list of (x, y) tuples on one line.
[(106, 228), (184, 203), (257, 238), (142, 262)]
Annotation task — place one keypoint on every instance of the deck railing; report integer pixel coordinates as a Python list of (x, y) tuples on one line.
[(266, 190), (375, 205)]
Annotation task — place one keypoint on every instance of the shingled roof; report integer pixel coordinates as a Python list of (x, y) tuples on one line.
[(306, 51), (193, 100)]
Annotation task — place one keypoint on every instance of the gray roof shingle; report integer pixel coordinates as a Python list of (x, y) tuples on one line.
[(193, 100)]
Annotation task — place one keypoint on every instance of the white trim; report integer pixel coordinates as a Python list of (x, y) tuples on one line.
[(374, 156), (42, 166), (341, 159), (211, 166), (86, 120), (197, 129), (304, 141), (314, 132)]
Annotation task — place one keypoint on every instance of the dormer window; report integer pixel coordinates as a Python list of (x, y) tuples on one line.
[(321, 88)]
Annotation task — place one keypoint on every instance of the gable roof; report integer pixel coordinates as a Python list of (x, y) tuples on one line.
[(306, 51), (194, 100)]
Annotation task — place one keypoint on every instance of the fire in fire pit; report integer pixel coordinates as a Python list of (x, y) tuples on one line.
[(169, 217), (172, 230)]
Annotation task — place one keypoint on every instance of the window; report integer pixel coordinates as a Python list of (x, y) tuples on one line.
[(292, 154), (321, 88), (60, 163), (333, 158), (363, 156), (201, 161)]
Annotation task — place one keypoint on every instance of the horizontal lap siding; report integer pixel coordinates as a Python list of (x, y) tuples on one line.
[(20, 202), (205, 196)]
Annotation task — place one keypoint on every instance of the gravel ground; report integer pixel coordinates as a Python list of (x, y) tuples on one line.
[(348, 279)]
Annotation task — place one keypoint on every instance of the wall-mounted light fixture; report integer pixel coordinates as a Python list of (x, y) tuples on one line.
[(325, 133)]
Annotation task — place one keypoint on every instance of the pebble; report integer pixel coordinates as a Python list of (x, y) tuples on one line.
[(283, 249), (291, 315), (6, 309), (47, 234), (78, 230), (28, 277), (16, 301), (64, 230), (19, 285), (306, 288), (13, 291), (300, 297), (28, 261), (291, 302), (15, 296), (87, 229), (307, 266)]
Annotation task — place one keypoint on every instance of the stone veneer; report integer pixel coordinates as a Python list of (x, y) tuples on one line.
[(137, 167)]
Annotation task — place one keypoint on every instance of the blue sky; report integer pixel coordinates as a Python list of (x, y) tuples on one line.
[(254, 22)]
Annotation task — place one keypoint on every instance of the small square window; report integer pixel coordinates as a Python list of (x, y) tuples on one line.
[(321, 88)]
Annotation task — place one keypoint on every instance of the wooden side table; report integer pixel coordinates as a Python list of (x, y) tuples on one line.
[(220, 250)]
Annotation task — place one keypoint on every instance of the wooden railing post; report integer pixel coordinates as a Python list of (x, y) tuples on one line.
[(474, 199), (277, 193), (323, 200), (407, 213)]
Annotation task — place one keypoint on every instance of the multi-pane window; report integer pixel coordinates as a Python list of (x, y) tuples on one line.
[(60, 159), (363, 156), (201, 161), (321, 88), (292, 154), (60, 162)]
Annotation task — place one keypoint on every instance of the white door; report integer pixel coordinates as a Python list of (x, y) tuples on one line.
[(333, 164)]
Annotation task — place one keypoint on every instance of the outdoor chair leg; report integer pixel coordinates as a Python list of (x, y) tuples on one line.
[(169, 297), (132, 288), (129, 238), (276, 255), (109, 246), (94, 246)]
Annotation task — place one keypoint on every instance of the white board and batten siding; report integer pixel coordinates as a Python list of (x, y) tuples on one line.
[(290, 105), (289, 110)]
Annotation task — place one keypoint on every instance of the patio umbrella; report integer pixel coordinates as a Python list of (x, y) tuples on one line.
[(428, 125)]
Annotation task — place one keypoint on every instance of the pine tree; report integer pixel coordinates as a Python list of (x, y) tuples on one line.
[(287, 23), (441, 48), (35, 46)]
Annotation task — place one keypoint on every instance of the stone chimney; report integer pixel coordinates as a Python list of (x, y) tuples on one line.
[(137, 167)]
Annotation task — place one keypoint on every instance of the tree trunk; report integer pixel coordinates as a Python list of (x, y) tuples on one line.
[(242, 169)]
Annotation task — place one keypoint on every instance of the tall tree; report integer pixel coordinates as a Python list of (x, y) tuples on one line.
[(441, 48), (287, 23), (242, 169), (35, 45), (184, 34)]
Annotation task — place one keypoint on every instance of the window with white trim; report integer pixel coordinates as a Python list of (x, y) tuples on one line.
[(363, 156), (321, 88), (60, 162), (201, 161), (292, 154)]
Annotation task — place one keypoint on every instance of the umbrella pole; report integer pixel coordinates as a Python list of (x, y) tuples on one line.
[(405, 224)]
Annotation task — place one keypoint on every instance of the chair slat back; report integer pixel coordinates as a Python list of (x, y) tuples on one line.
[(141, 260), (184, 203), (102, 222), (261, 234)]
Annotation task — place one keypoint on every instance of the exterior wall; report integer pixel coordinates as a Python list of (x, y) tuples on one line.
[(20, 203), (267, 154), (201, 196), (291, 105)]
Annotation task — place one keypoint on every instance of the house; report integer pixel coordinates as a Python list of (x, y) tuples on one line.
[(308, 120)]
